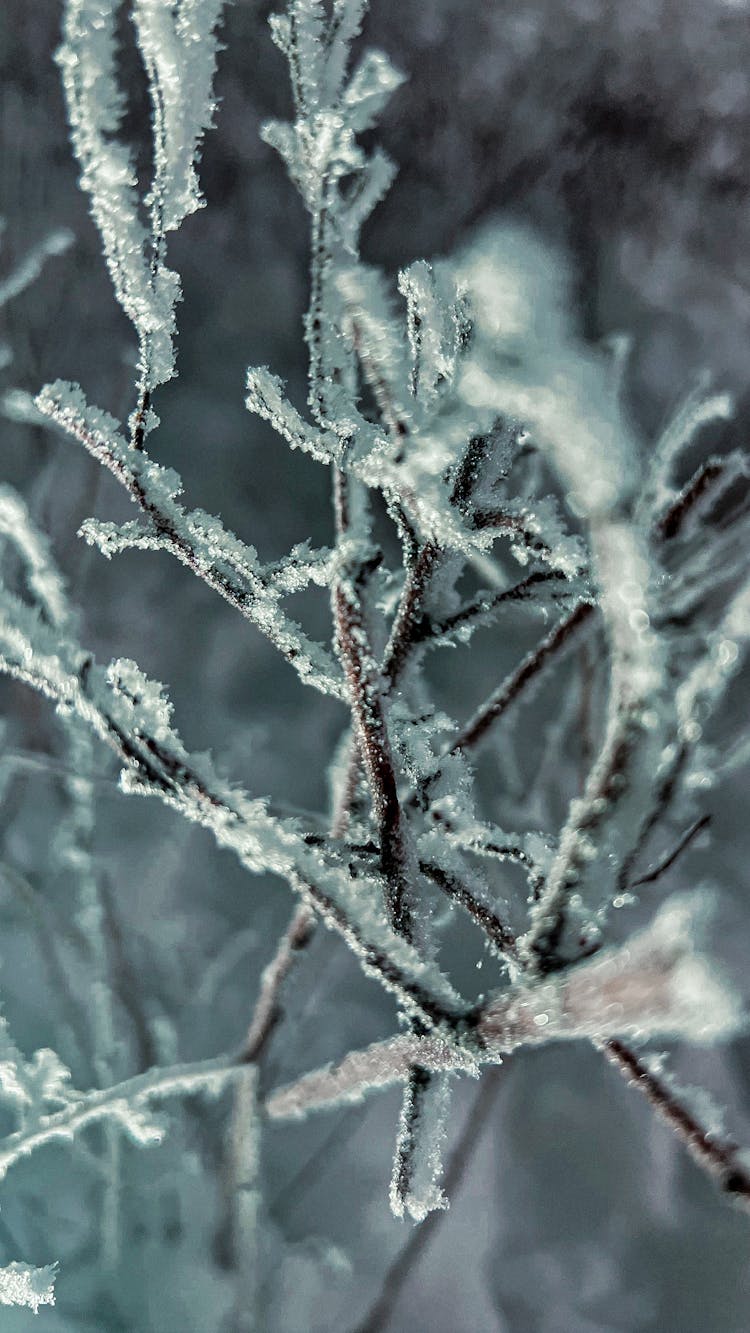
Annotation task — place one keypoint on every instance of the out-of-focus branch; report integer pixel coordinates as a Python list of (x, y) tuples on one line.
[(720, 1157)]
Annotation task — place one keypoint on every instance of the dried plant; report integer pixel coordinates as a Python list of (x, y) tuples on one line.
[(466, 420)]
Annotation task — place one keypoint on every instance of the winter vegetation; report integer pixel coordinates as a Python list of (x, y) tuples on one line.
[(487, 478)]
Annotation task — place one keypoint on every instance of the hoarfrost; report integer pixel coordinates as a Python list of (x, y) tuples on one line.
[(31, 1287)]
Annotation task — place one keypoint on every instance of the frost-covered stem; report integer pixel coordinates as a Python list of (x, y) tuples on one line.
[(379, 1314), (655, 985), (367, 690), (405, 631), (179, 541), (377, 383), (474, 612), (719, 1157), (157, 245), (91, 918), (241, 1170), (495, 929), (163, 768), (140, 415), (410, 1131), (124, 1103), (381, 1065), (76, 850), (320, 274), (368, 714), (607, 822)]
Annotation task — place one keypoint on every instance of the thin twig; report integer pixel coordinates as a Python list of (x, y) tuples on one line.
[(488, 921), (671, 522), (667, 861), (295, 938), (432, 631), (368, 714), (720, 1157), (498, 703), (245, 594), (380, 1312)]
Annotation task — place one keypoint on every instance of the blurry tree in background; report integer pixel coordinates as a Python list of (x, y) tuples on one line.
[(503, 756)]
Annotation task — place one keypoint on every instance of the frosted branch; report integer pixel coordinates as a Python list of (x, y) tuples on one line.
[(657, 985), (198, 540)]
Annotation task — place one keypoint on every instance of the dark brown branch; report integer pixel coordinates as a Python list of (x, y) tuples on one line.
[(368, 714), (720, 1157), (267, 1011), (485, 605), (407, 625), (416, 1092), (664, 865), (498, 702), (469, 471), (140, 417), (514, 525), (662, 801), (173, 777), (493, 927), (670, 523), (502, 851)]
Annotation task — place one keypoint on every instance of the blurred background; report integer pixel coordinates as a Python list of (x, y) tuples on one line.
[(621, 133)]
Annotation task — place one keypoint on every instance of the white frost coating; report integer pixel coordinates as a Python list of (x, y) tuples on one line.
[(361, 1072), (432, 326), (371, 325), (421, 1136), (119, 702), (31, 1087), (179, 52), (485, 368), (126, 1103), (696, 411), (373, 182), (267, 400), (657, 984), (113, 538), (527, 363), (146, 711), (31, 1287), (370, 88), (197, 539), (95, 109)]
